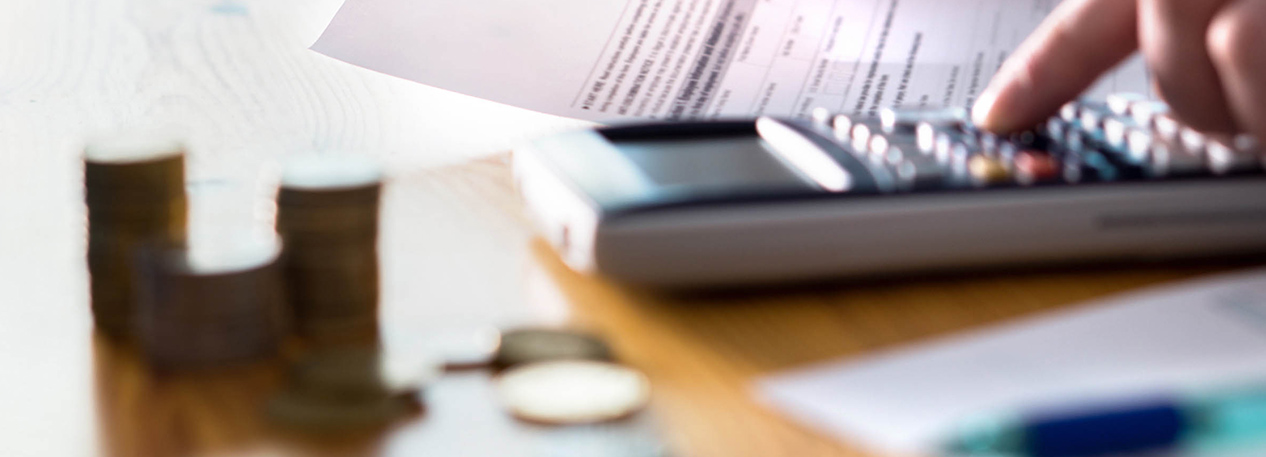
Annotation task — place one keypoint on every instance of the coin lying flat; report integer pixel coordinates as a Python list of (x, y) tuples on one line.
[(568, 392), (523, 346)]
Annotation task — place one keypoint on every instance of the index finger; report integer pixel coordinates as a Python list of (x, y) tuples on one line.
[(1078, 42)]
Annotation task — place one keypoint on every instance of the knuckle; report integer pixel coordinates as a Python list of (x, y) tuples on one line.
[(1234, 37)]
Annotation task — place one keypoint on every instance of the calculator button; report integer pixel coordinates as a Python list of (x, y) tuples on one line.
[(919, 172), (1035, 166), (1247, 144), (1144, 112), (1005, 151), (958, 156), (879, 149), (906, 121), (1115, 130), (878, 145), (1167, 158), (1092, 116), (861, 133), (821, 116), (989, 142), (955, 148), (1069, 112), (1026, 138), (1138, 144), (899, 121), (892, 149), (1166, 127), (842, 125), (945, 140), (1224, 158), (1192, 140), (1122, 103), (925, 137), (1075, 140), (987, 171), (890, 158), (943, 147), (1056, 128)]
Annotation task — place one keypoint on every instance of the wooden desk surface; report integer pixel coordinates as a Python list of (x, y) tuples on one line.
[(456, 249)]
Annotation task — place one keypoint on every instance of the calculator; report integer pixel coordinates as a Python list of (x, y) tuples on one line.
[(770, 200)]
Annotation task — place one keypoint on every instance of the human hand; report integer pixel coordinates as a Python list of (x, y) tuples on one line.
[(1207, 58)]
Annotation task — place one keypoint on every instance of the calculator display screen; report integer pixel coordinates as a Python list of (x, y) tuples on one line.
[(710, 165), (626, 169)]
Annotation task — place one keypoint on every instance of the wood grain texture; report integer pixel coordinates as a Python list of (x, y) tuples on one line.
[(235, 76), (457, 251)]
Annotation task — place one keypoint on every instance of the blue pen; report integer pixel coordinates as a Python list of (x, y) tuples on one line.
[(1202, 422)]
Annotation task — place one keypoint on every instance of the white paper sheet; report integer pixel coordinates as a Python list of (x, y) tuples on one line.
[(1189, 336), (691, 59)]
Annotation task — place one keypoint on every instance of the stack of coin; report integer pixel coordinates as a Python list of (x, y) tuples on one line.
[(348, 388), (134, 190), (203, 308), (327, 213)]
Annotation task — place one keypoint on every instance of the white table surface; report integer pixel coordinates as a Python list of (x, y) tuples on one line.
[(237, 78)]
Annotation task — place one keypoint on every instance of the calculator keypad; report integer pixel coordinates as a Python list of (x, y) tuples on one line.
[(1125, 137)]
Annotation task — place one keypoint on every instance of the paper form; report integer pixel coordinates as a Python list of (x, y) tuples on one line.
[(696, 59), (1200, 335)]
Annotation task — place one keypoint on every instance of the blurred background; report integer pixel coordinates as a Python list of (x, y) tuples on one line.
[(235, 79)]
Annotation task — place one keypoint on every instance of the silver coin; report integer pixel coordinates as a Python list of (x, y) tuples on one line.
[(569, 392)]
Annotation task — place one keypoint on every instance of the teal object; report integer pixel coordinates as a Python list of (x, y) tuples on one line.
[(1210, 422), (1228, 419)]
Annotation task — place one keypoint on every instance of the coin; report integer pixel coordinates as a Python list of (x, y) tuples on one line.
[(528, 345), (568, 392)]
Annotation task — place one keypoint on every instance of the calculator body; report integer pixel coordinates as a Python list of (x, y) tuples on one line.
[(775, 200)]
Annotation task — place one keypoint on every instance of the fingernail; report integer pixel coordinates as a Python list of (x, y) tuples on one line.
[(983, 107)]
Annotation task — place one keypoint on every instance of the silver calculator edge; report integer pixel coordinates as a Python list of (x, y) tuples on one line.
[(757, 243)]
